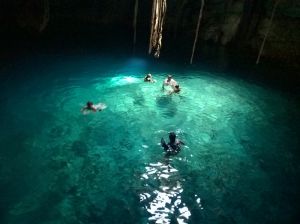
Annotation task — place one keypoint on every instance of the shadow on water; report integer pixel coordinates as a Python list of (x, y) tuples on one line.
[(139, 99), (163, 101), (167, 106)]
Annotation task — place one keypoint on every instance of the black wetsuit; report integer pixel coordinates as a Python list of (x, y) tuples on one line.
[(171, 148)]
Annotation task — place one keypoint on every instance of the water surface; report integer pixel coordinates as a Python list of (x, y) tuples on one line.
[(240, 163)]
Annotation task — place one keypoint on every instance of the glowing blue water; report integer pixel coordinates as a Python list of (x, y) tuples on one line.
[(240, 163)]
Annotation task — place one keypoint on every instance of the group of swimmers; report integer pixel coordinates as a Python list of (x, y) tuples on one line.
[(169, 81), (173, 147)]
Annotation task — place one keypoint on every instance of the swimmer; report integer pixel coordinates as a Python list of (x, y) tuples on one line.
[(173, 147), (176, 89), (169, 81), (90, 106), (149, 78)]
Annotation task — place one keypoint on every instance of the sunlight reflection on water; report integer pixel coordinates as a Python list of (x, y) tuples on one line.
[(164, 203)]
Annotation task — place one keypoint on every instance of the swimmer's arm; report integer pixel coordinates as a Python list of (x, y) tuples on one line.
[(164, 144), (83, 109), (166, 83)]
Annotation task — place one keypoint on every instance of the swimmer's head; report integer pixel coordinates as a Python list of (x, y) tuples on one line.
[(148, 77), (89, 104), (172, 137), (169, 77)]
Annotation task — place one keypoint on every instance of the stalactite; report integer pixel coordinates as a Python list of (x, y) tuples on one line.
[(158, 15), (197, 30), (134, 22), (267, 32)]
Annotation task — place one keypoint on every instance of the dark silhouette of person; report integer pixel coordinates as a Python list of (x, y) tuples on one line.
[(173, 147)]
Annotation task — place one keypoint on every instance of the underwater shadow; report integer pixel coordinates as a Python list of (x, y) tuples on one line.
[(167, 105)]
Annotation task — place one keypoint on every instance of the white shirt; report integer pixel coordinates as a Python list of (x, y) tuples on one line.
[(170, 82)]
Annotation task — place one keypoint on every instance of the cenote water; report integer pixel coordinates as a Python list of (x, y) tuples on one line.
[(240, 162)]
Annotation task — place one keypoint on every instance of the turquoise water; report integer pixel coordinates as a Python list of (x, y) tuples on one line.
[(240, 163)]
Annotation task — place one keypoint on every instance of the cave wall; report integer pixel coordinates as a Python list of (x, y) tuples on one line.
[(229, 23), (243, 24)]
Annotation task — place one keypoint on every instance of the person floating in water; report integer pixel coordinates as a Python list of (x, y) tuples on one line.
[(176, 89), (149, 78), (169, 81), (173, 147), (90, 106)]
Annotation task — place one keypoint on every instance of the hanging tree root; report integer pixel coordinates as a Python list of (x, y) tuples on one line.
[(197, 30), (267, 32), (158, 15), (46, 15), (136, 5)]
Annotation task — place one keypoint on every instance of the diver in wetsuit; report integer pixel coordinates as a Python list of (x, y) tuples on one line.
[(173, 147)]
